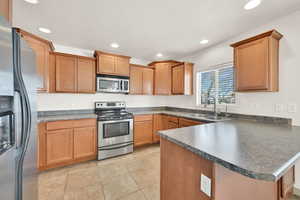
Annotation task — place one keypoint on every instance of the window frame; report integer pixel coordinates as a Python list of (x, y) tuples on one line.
[(216, 69)]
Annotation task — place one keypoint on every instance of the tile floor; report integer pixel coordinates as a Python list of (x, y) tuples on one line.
[(131, 177)]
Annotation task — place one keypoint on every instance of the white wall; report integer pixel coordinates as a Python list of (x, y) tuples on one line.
[(86, 101), (261, 103)]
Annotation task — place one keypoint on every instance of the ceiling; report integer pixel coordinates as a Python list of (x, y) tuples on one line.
[(143, 28)]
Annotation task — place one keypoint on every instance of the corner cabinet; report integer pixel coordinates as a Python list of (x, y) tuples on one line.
[(112, 64), (73, 74), (42, 49), (163, 77), (182, 79), (256, 63), (6, 9), (62, 143), (141, 80)]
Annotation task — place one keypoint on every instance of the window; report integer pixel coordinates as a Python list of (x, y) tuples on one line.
[(216, 85)]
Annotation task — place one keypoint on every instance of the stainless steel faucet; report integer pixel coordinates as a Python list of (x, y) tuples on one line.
[(215, 107)]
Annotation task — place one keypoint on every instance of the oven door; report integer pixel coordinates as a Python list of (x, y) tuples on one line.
[(108, 85), (115, 132)]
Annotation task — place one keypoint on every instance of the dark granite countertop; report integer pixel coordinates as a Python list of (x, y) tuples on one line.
[(48, 116), (189, 115), (259, 150)]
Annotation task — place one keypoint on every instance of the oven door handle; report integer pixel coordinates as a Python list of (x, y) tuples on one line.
[(116, 147)]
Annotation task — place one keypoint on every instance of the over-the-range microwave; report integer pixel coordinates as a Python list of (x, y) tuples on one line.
[(112, 84)]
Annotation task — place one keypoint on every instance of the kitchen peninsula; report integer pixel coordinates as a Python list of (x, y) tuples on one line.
[(229, 160)]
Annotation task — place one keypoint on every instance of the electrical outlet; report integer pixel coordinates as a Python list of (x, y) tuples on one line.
[(292, 108), (205, 184), (279, 108)]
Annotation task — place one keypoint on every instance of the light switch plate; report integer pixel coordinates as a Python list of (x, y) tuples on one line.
[(205, 184)]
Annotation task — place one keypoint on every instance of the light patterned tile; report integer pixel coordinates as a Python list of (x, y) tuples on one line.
[(118, 187), (134, 196), (93, 192), (144, 178), (152, 192)]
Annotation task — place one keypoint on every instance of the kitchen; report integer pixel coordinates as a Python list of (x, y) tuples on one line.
[(67, 98)]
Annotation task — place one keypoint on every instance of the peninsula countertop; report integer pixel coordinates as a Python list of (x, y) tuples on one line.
[(262, 151)]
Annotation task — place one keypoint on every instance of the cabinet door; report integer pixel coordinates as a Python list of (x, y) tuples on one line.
[(148, 78), (66, 73), (163, 80), (86, 75), (59, 146), (41, 50), (106, 64), (172, 125), (6, 9), (136, 80), (142, 133), (121, 66), (187, 122), (178, 80), (41, 146), (251, 62), (84, 142), (157, 126)]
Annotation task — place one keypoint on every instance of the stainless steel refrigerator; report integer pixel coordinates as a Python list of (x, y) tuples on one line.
[(18, 117)]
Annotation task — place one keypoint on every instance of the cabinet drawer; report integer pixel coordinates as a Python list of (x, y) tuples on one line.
[(59, 125), (141, 118), (84, 123), (71, 124), (187, 122), (173, 119)]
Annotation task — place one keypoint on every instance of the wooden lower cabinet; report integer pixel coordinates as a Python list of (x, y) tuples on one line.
[(85, 142), (187, 122), (59, 146), (66, 142), (143, 131), (157, 126)]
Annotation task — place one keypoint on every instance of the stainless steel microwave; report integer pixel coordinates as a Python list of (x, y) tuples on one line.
[(112, 84)]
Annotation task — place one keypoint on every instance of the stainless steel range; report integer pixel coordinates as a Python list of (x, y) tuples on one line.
[(115, 129)]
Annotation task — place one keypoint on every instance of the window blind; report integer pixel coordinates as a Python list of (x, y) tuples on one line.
[(226, 85), (217, 84)]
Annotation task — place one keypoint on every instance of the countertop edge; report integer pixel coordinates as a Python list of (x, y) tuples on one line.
[(258, 176)]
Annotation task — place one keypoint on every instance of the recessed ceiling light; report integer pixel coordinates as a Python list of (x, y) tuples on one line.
[(252, 4), (114, 45), (32, 1), (159, 55), (203, 41), (44, 30)]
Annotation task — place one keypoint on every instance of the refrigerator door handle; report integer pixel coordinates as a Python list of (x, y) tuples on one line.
[(18, 125)]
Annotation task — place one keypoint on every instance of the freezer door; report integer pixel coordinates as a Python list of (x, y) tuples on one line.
[(7, 175), (6, 59)]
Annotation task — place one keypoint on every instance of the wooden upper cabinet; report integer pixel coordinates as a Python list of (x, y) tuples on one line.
[(72, 73), (182, 79), (122, 66), (256, 63), (136, 80), (163, 74), (6, 9), (148, 78), (66, 73), (42, 49), (112, 64), (86, 75), (106, 64), (141, 80)]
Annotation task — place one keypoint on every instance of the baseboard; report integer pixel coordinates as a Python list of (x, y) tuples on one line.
[(297, 191)]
